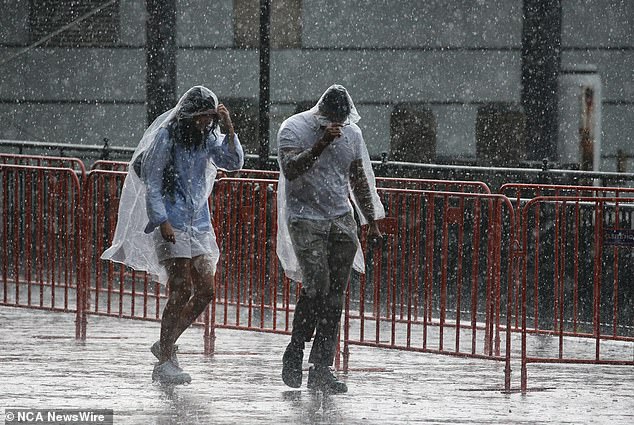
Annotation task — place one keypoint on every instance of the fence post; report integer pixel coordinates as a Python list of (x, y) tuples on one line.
[(621, 161), (105, 151)]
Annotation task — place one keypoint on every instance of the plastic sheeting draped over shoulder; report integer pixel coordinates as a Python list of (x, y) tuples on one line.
[(131, 245), (284, 246)]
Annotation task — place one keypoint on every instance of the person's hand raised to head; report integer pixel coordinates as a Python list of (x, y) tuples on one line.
[(224, 115), (332, 131)]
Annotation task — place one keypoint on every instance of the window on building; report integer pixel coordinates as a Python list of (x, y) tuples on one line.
[(286, 18), (48, 16), (500, 134), (412, 133), (245, 117)]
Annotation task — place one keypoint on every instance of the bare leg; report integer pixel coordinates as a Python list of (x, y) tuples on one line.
[(179, 282), (203, 283)]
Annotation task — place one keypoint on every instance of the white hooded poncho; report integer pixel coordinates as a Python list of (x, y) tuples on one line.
[(131, 245), (285, 250)]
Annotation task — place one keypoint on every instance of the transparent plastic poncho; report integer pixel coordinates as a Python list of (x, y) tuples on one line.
[(285, 251), (131, 245)]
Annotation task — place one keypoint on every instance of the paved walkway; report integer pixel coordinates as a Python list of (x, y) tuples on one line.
[(42, 366)]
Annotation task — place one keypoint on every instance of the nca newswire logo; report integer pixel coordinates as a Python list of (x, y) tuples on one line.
[(58, 416)]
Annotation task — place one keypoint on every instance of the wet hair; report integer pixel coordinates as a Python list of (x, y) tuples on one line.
[(196, 101), (335, 103), (188, 134)]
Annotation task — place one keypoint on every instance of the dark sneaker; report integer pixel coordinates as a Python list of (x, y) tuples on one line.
[(169, 373), (156, 350), (292, 367), (321, 378)]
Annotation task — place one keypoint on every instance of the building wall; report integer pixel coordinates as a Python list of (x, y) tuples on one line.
[(450, 56), (601, 33)]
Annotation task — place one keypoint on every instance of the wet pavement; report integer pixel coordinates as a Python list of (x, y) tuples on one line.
[(43, 366)]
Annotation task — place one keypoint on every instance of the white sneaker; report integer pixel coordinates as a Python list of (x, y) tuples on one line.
[(169, 373), (156, 350)]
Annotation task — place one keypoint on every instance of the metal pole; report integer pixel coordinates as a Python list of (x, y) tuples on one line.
[(265, 55), (160, 57), (541, 58)]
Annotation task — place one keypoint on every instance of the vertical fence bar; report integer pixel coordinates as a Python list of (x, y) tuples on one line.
[(615, 280), (598, 245), (475, 267), (460, 220)]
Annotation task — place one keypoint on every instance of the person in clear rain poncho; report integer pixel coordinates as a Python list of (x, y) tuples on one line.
[(164, 225), (324, 162)]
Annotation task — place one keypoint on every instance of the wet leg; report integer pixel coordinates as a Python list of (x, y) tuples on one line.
[(202, 273), (179, 283)]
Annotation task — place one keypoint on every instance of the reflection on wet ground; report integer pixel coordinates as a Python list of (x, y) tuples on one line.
[(43, 366)]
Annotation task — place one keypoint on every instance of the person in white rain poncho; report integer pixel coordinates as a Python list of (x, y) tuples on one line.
[(164, 225), (323, 160)]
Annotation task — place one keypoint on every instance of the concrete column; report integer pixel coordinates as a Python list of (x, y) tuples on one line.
[(541, 58), (160, 57)]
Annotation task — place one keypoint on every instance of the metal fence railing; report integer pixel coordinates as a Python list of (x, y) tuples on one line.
[(460, 272)]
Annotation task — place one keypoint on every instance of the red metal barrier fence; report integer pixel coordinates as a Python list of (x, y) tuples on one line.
[(521, 194), (565, 257), (108, 288), (251, 291), (397, 183), (243, 210), (436, 185), (111, 288), (440, 282), (579, 289), (75, 164), (420, 295), (39, 228), (110, 165)]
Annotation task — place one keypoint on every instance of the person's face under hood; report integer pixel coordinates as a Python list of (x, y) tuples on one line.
[(194, 130), (335, 107), (205, 119)]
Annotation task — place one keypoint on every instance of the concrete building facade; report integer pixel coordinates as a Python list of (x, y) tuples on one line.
[(433, 68)]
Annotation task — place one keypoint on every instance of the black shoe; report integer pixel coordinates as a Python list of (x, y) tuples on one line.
[(321, 378), (292, 367)]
